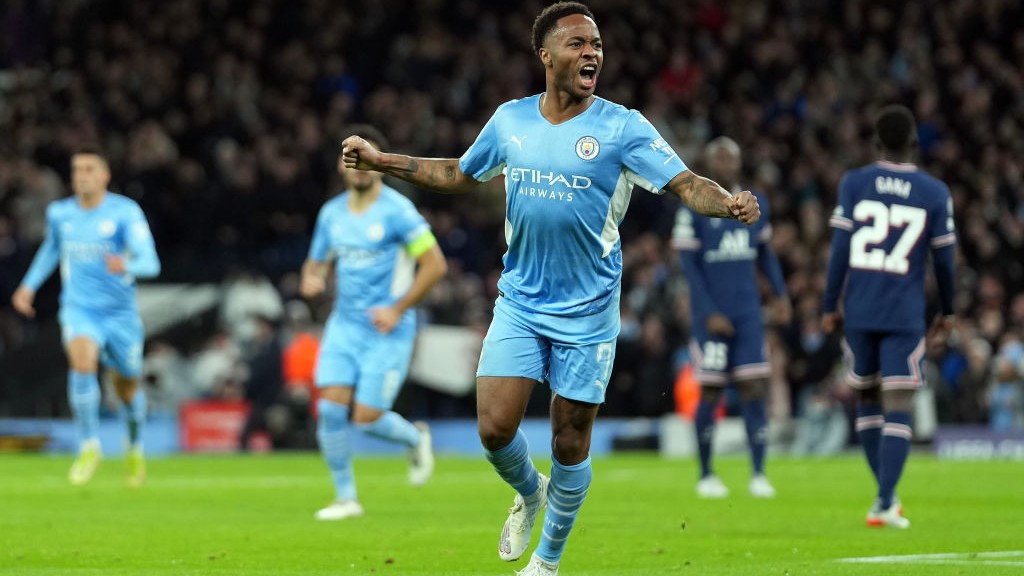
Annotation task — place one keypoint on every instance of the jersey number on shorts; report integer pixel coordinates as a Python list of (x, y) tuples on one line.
[(864, 251), (716, 356)]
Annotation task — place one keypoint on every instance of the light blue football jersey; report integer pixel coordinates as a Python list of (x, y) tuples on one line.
[(79, 240), (371, 264), (567, 189)]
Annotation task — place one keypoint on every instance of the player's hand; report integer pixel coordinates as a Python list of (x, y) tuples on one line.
[(719, 325), (115, 263), (782, 311), (385, 319), (22, 300), (942, 327), (359, 154), (831, 322), (744, 207), (312, 285)]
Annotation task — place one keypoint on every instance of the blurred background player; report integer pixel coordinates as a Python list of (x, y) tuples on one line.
[(102, 242), (890, 214), (570, 161), (720, 259), (385, 259)]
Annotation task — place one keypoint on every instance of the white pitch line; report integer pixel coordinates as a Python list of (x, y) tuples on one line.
[(944, 558)]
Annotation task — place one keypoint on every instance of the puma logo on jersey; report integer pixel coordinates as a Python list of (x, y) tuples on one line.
[(891, 185), (517, 141)]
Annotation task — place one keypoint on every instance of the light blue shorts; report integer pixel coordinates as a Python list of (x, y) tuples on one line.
[(354, 353), (119, 335), (573, 354)]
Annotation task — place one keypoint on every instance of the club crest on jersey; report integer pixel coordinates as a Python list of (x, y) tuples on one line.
[(588, 148), (107, 228), (375, 232)]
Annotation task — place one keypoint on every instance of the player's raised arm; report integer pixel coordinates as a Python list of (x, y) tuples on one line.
[(439, 174), (706, 197)]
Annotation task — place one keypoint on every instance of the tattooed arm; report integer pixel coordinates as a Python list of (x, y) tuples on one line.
[(706, 197), (439, 174)]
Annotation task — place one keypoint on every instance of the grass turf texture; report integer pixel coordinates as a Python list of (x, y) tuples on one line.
[(253, 515)]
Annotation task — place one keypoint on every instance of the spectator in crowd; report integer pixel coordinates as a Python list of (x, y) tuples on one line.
[(264, 384)]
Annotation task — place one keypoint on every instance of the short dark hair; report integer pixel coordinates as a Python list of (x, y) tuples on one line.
[(91, 150), (896, 128), (550, 16), (369, 133)]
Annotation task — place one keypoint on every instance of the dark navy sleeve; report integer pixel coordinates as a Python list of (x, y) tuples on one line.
[(943, 259), (686, 238), (839, 258)]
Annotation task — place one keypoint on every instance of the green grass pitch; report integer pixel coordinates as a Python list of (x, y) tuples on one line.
[(253, 515)]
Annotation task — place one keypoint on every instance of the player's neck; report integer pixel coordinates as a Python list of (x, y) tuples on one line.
[(89, 201), (361, 200), (897, 157), (562, 107)]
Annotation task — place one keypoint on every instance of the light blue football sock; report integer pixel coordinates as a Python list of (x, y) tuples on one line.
[(515, 467), (135, 417), (392, 427), (332, 433), (84, 398), (566, 492)]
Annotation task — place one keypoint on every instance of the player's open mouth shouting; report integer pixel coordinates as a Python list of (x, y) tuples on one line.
[(588, 76)]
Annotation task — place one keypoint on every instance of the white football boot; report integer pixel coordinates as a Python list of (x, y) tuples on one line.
[(760, 487), (711, 487), (85, 464), (339, 510), (538, 567), (421, 458), (515, 534)]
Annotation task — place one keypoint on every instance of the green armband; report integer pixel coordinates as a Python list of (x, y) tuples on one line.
[(420, 245)]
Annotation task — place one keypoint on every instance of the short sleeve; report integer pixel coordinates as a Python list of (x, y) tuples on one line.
[(483, 160), (649, 160)]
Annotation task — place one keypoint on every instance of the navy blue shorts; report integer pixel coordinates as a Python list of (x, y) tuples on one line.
[(896, 357), (740, 357)]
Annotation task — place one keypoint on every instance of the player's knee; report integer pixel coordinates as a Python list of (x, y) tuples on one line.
[(570, 447), (710, 394), (898, 400), (753, 389), (337, 394), (365, 415), (125, 387), (83, 354), (495, 435), (871, 395)]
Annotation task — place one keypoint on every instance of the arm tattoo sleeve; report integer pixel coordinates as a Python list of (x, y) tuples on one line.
[(704, 196), (440, 174)]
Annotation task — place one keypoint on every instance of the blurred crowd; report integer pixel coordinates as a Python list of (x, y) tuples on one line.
[(223, 118)]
